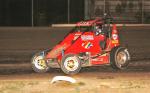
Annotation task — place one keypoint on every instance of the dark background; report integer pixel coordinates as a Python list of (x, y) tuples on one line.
[(46, 12), (15, 12)]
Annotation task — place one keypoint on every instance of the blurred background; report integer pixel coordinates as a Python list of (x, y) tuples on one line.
[(47, 12)]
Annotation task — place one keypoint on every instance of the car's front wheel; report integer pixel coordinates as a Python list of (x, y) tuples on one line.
[(71, 64)]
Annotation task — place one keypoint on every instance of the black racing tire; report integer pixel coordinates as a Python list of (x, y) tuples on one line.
[(39, 63), (70, 64), (119, 58)]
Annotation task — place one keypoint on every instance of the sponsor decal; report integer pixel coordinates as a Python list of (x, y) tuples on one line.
[(76, 36), (85, 23), (87, 37), (115, 41), (87, 45), (115, 36), (98, 59)]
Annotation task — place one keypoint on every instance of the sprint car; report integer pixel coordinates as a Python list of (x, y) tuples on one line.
[(92, 42)]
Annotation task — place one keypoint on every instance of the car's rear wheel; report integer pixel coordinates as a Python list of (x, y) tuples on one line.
[(71, 64), (39, 63), (119, 58)]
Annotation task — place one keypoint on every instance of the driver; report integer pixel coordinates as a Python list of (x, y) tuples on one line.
[(98, 30)]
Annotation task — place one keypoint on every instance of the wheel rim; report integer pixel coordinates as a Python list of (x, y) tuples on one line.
[(121, 58), (71, 63), (39, 62)]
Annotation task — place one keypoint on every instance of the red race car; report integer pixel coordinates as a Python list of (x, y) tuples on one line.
[(91, 43)]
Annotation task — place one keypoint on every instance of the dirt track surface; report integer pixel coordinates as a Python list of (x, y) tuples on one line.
[(21, 79), (17, 45)]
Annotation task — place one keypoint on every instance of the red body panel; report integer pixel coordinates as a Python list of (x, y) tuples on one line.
[(87, 42), (104, 59)]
